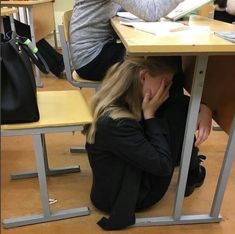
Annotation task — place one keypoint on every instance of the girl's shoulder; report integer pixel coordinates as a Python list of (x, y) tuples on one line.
[(121, 123)]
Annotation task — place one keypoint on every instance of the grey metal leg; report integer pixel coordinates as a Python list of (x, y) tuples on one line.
[(169, 220), (217, 128), (194, 105), (12, 23), (49, 172), (177, 218), (66, 56), (30, 22), (224, 173), (46, 216), (55, 39), (77, 150)]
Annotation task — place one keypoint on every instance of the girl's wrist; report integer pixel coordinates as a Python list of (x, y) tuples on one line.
[(148, 115), (205, 108)]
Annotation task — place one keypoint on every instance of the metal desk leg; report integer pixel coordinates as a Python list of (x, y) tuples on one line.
[(194, 105), (12, 23), (49, 172), (30, 22), (55, 39), (177, 218), (224, 173), (78, 150), (46, 216)]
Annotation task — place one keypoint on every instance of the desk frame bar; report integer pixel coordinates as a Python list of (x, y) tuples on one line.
[(31, 24), (12, 23), (214, 216), (194, 105), (38, 145), (49, 171), (42, 164), (224, 173)]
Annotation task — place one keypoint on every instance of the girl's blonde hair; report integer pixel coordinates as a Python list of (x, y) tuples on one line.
[(120, 95)]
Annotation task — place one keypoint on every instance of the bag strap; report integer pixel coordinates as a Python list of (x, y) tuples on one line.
[(29, 49), (34, 55)]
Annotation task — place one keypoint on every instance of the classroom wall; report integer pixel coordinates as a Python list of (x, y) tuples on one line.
[(60, 6)]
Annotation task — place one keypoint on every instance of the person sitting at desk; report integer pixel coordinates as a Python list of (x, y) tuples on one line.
[(135, 139), (92, 39), (225, 10)]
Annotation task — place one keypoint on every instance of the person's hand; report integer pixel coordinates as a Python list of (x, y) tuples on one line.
[(203, 124), (151, 104)]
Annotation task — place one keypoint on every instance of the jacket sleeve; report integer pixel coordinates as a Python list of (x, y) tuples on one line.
[(149, 10), (147, 149)]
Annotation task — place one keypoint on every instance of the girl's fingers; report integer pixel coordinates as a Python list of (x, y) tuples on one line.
[(163, 92), (201, 137), (146, 97)]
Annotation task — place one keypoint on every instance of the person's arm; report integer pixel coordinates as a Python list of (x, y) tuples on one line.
[(149, 10), (203, 124), (231, 7), (146, 149)]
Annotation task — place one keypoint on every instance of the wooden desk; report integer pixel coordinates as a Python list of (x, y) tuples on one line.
[(60, 111), (200, 44), (8, 12), (39, 14)]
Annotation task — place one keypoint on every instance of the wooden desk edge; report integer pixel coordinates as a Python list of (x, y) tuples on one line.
[(7, 11), (23, 3)]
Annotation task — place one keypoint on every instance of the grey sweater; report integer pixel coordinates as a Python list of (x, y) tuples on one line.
[(90, 27)]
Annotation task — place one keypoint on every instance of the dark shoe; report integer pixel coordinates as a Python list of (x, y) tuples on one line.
[(196, 178)]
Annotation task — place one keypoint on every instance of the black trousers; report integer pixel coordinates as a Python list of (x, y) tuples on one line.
[(224, 16), (153, 188), (110, 54)]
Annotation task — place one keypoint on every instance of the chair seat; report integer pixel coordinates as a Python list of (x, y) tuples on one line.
[(77, 78)]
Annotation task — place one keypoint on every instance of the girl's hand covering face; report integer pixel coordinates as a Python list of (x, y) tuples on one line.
[(151, 102)]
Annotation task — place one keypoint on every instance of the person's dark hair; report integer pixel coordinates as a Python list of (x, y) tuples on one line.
[(221, 3)]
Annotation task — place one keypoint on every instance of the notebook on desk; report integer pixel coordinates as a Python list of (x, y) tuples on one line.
[(156, 28), (185, 8)]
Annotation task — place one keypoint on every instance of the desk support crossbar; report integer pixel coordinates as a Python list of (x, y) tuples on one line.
[(169, 220)]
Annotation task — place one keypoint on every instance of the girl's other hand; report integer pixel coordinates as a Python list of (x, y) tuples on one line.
[(203, 124)]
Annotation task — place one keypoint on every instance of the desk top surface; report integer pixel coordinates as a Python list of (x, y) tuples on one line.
[(58, 108), (7, 11), (24, 3), (141, 43)]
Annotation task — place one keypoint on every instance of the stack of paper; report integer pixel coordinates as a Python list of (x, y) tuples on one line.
[(127, 15), (157, 28), (230, 36)]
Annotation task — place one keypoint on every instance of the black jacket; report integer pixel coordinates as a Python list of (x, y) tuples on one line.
[(124, 155)]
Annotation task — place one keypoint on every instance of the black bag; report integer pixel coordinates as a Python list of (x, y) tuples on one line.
[(53, 59), (18, 86)]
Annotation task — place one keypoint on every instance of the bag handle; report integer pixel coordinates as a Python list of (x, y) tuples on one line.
[(35, 56), (31, 50)]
